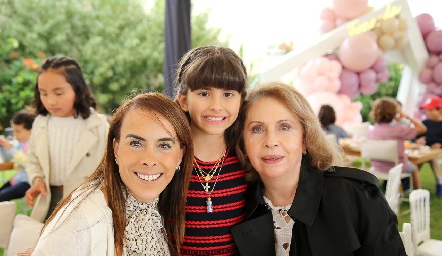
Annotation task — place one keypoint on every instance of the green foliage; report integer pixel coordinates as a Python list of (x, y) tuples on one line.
[(17, 80), (388, 89), (118, 43)]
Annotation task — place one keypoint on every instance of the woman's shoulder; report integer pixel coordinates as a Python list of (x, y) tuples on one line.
[(87, 208), (352, 174)]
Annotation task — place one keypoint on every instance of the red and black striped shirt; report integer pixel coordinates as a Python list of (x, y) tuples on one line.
[(209, 233)]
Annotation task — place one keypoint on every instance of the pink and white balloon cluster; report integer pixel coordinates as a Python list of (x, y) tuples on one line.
[(363, 65), (431, 75), (319, 81), (341, 12)]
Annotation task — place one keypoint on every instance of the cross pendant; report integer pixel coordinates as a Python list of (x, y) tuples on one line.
[(206, 187)]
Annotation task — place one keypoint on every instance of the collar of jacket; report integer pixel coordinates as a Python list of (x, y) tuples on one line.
[(92, 121), (307, 199)]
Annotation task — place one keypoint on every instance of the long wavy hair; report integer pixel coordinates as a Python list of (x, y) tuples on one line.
[(172, 200), (70, 69), (213, 66), (321, 153)]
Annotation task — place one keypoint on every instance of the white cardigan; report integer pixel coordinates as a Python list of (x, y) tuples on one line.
[(85, 228), (86, 158)]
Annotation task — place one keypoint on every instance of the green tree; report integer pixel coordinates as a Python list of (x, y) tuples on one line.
[(118, 43), (17, 79), (388, 89)]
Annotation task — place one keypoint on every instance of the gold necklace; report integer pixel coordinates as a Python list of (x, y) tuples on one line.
[(208, 176)]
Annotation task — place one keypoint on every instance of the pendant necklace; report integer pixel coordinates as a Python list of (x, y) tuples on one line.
[(207, 176)]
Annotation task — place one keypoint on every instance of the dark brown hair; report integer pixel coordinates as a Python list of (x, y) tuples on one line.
[(70, 69), (327, 116), (172, 200), (213, 66), (25, 118)]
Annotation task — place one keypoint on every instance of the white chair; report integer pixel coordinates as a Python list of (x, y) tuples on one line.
[(7, 213), (357, 130), (23, 231), (392, 192), (406, 239), (381, 150), (420, 224)]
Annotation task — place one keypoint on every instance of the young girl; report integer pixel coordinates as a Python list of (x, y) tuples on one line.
[(68, 136), (211, 87)]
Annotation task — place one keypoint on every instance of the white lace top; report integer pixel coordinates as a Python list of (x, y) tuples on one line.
[(144, 233), (283, 229)]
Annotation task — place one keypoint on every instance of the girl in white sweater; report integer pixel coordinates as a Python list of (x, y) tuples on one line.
[(68, 135)]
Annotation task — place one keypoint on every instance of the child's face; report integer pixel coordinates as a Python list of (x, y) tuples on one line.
[(56, 94), (434, 114), (20, 133), (211, 110)]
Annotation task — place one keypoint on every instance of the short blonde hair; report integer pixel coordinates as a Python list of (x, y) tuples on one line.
[(321, 154)]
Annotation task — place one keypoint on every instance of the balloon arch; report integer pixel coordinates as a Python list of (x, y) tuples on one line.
[(351, 57)]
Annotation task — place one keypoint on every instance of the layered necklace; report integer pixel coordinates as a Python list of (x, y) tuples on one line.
[(205, 177)]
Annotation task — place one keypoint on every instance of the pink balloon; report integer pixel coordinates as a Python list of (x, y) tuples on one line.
[(334, 84), (434, 41), (349, 83), (350, 9), (367, 77), (334, 68), (328, 14), (340, 21), (425, 23), (358, 52), (426, 75), (434, 88), (318, 99), (383, 76), (326, 26), (320, 84), (368, 89), (437, 73), (321, 64), (380, 64), (432, 61), (307, 73)]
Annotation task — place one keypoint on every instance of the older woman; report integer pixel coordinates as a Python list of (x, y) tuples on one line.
[(134, 202), (298, 202)]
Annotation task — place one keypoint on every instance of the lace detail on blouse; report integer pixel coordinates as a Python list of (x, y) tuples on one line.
[(144, 232), (283, 230)]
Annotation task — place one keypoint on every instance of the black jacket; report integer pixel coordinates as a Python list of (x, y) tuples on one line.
[(336, 213)]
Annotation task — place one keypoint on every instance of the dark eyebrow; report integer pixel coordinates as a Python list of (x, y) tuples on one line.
[(135, 136), (143, 139), (168, 139)]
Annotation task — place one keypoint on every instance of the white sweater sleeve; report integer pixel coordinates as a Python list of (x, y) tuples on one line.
[(85, 230)]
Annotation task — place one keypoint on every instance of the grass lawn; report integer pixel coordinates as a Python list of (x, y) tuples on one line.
[(428, 182)]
